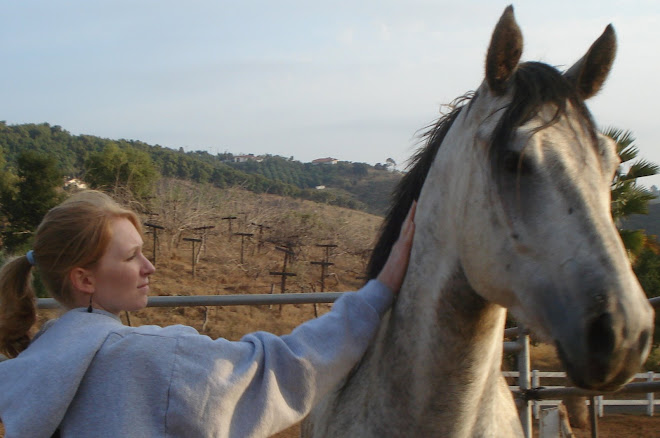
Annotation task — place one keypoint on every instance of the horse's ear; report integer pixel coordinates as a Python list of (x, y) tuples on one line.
[(590, 72), (504, 52)]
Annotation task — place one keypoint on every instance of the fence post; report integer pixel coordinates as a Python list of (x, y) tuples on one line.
[(193, 240), (536, 382), (524, 380), (155, 229), (288, 254), (243, 236), (650, 397), (229, 219), (593, 416)]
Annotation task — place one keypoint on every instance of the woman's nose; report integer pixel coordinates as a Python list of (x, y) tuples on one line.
[(147, 268)]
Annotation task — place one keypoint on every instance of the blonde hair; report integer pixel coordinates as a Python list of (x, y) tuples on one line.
[(76, 233)]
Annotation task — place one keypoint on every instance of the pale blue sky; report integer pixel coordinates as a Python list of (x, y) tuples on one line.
[(353, 79)]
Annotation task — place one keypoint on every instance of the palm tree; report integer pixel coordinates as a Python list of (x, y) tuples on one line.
[(628, 198)]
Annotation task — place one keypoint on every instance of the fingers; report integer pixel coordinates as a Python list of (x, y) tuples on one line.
[(396, 265), (408, 227)]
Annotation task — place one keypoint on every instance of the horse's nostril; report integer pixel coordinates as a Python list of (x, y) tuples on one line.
[(600, 338)]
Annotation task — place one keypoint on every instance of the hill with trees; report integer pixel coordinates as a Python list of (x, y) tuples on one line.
[(136, 166)]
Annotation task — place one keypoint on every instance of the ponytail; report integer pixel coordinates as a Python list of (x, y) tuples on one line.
[(17, 306)]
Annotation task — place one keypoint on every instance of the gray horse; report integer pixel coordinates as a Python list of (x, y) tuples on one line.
[(513, 213)]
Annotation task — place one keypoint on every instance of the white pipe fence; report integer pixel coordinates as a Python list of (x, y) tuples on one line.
[(648, 401), (529, 393)]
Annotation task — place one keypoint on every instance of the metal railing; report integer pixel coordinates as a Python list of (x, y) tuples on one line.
[(225, 300)]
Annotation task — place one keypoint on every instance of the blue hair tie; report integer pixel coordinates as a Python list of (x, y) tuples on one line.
[(30, 257)]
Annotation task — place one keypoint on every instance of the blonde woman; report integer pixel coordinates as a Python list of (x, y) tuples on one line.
[(87, 375)]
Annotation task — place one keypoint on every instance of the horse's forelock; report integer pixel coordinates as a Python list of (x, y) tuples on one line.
[(536, 84)]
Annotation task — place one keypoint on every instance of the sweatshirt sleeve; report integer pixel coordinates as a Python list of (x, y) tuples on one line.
[(265, 383)]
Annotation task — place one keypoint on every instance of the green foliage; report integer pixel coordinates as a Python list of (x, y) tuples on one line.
[(647, 269), (627, 197), (653, 361), (7, 178), (114, 168), (34, 193)]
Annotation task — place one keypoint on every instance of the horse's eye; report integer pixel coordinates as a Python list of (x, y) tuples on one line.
[(516, 164)]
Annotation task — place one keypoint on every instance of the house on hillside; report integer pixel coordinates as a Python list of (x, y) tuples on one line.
[(244, 158), (325, 161), (74, 183)]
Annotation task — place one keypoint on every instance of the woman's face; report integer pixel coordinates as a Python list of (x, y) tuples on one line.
[(121, 277)]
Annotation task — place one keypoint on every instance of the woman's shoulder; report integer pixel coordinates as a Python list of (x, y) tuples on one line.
[(101, 324)]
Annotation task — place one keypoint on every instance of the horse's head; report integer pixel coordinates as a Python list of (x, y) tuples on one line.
[(535, 232)]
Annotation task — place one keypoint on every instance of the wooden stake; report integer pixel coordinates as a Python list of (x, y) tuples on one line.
[(154, 229), (243, 236), (193, 240)]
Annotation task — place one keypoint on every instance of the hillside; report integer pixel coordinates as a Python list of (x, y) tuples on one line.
[(647, 222), (353, 185)]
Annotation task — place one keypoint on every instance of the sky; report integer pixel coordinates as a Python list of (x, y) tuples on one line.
[(353, 80)]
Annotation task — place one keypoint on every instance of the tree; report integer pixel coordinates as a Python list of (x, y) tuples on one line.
[(116, 168), (34, 193), (7, 179), (628, 198)]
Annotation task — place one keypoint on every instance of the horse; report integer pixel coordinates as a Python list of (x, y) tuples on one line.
[(513, 190)]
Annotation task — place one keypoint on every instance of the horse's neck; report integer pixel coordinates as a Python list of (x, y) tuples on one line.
[(440, 353)]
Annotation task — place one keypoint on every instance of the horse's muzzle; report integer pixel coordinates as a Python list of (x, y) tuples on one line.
[(609, 353)]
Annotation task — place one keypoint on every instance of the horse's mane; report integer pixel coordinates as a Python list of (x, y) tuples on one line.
[(535, 84), (408, 189)]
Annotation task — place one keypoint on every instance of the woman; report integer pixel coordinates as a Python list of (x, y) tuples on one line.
[(88, 375)]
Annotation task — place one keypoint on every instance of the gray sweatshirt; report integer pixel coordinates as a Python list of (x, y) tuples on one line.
[(91, 376)]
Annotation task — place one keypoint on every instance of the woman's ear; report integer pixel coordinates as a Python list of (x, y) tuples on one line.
[(82, 280)]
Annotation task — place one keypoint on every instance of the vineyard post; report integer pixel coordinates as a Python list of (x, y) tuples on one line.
[(193, 240), (324, 263), (154, 229), (261, 235), (230, 219), (243, 236), (284, 274), (203, 230)]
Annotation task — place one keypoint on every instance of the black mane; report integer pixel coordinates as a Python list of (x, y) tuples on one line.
[(410, 186), (535, 84)]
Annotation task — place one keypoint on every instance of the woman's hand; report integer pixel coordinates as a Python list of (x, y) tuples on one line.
[(394, 271)]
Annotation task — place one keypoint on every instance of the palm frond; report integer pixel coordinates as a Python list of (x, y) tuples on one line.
[(641, 169), (627, 153), (623, 138)]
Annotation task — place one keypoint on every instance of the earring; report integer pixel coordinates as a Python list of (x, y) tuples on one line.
[(89, 309)]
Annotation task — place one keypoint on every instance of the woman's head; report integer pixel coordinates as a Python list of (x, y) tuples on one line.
[(74, 235)]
